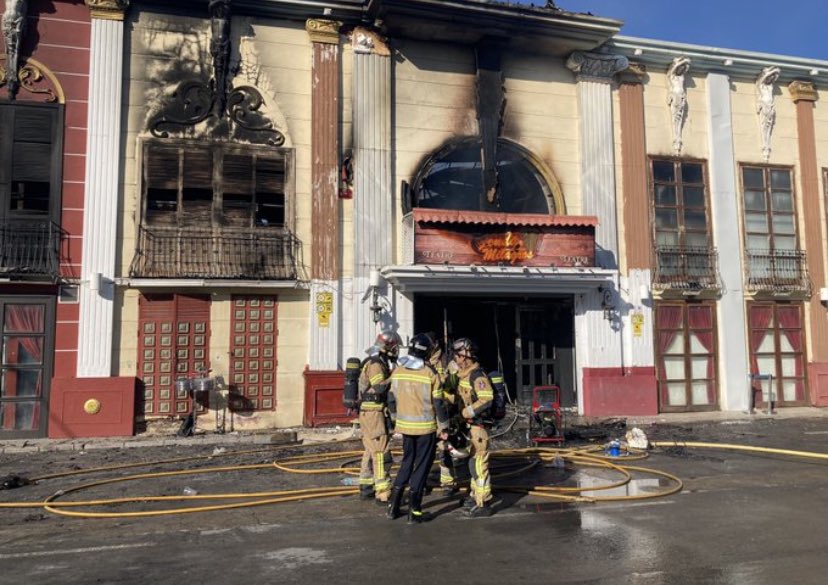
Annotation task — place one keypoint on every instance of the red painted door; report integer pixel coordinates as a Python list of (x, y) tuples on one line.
[(174, 341)]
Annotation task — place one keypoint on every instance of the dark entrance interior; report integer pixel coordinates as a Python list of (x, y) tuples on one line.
[(531, 340)]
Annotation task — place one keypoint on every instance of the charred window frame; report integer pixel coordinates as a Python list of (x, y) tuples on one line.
[(452, 178), (31, 161), (196, 184), (680, 203), (769, 208)]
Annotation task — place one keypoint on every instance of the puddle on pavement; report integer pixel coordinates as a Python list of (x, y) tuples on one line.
[(587, 479)]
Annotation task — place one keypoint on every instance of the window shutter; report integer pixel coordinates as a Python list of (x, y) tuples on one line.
[(31, 160), (270, 191), (237, 189), (162, 173), (197, 187)]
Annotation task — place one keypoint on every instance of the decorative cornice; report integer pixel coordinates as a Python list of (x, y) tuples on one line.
[(677, 98), (804, 91), (596, 66), (368, 42), (323, 31), (108, 9), (765, 107)]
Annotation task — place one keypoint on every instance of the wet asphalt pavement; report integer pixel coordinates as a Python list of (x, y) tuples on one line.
[(742, 519)]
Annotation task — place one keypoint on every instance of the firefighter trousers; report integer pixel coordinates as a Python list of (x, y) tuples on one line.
[(448, 476), (374, 472), (418, 455), (481, 487)]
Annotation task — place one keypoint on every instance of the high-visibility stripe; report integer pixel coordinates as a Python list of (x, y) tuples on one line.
[(497, 380), (403, 426), (424, 379), (351, 366), (438, 394), (465, 384), (376, 378), (485, 395), (366, 481), (371, 406)]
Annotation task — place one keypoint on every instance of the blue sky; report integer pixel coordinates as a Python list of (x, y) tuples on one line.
[(795, 28)]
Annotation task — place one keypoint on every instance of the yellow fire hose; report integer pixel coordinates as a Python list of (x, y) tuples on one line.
[(584, 457)]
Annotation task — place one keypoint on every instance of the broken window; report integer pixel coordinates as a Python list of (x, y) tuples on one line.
[(453, 179), (198, 185)]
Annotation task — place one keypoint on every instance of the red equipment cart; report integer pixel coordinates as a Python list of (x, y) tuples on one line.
[(546, 420)]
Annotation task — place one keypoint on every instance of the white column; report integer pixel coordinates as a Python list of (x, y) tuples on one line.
[(101, 197), (595, 73), (373, 190), (732, 326), (325, 335)]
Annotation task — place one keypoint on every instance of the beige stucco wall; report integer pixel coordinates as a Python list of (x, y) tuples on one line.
[(277, 59), (435, 101)]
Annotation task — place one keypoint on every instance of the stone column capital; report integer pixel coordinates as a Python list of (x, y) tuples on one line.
[(108, 9), (802, 91), (368, 42), (634, 74), (596, 66), (323, 31)]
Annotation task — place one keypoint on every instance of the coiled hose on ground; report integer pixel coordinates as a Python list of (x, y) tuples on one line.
[(522, 460)]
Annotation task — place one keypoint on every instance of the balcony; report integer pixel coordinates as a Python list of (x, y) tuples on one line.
[(777, 271), (30, 249), (687, 270), (222, 253)]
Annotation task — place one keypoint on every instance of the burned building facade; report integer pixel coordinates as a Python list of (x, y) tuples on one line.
[(640, 223)]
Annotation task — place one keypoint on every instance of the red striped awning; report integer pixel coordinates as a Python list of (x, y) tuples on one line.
[(454, 216)]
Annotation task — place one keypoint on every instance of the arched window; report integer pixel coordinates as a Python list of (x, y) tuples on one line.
[(452, 178)]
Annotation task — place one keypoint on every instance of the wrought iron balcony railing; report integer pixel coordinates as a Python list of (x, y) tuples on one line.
[(782, 271), (30, 248), (259, 254), (689, 269)]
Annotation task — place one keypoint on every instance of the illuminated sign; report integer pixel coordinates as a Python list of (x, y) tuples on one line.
[(509, 248)]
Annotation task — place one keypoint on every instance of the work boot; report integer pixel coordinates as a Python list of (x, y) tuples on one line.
[(468, 502), (394, 503), (479, 511), (366, 494), (450, 490), (415, 512)]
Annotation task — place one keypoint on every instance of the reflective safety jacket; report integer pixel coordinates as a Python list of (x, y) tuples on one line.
[(373, 384), (415, 399), (475, 391)]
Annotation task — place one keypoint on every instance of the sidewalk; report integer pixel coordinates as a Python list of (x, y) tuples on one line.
[(322, 435)]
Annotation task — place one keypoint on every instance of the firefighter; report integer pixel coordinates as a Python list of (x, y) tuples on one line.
[(374, 477), (416, 405), (448, 382), (475, 395)]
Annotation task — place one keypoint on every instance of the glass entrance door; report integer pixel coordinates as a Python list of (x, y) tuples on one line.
[(26, 366)]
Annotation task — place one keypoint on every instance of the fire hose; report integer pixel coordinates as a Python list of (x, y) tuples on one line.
[(524, 459)]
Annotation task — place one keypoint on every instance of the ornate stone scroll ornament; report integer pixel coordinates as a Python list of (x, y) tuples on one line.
[(802, 91), (191, 103), (596, 66), (765, 107), (30, 76), (243, 108), (107, 9), (220, 49), (677, 98), (14, 27)]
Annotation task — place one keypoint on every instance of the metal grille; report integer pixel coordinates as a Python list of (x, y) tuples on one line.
[(686, 268), (206, 253), (30, 248), (777, 271)]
